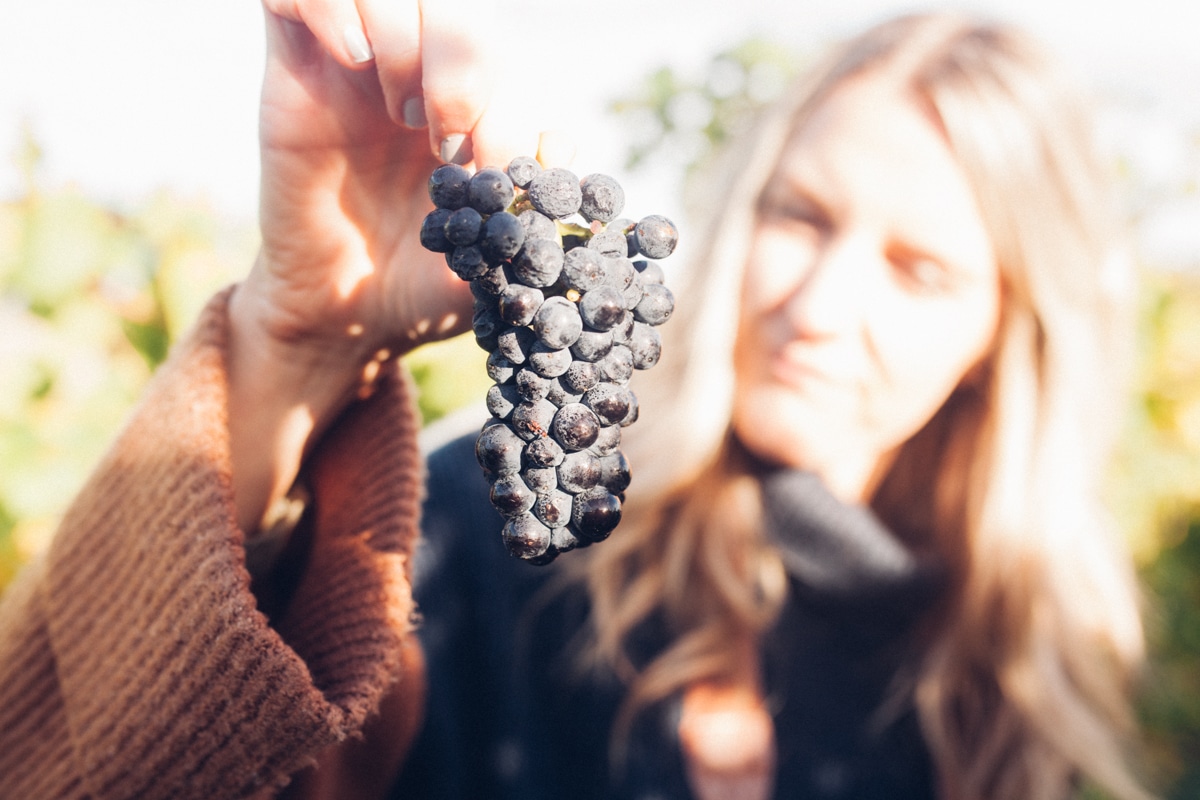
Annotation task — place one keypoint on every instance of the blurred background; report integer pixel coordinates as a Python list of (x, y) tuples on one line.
[(128, 186)]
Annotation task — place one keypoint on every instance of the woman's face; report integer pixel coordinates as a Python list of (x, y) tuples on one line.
[(871, 290)]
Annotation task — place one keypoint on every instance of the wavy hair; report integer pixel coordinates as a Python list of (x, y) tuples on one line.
[(1025, 682)]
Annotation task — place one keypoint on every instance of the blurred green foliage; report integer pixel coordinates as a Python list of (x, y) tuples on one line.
[(91, 298), (1171, 702), (1158, 471)]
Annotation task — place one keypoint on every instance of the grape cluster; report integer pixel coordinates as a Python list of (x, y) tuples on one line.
[(567, 299)]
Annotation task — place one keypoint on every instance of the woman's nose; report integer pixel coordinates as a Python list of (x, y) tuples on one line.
[(831, 298)]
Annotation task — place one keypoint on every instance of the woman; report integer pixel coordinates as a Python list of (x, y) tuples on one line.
[(930, 321), (944, 651), (1011, 332), (991, 458)]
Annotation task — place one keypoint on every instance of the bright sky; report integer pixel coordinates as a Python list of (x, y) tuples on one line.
[(130, 95)]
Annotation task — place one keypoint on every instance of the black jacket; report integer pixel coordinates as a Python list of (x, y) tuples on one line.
[(511, 714)]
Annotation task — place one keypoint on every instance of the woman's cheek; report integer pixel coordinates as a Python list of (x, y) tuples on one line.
[(775, 268), (924, 354)]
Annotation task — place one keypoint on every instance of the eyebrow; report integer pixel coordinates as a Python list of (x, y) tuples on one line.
[(787, 194)]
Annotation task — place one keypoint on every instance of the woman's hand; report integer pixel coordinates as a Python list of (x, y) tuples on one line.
[(361, 101), (348, 93)]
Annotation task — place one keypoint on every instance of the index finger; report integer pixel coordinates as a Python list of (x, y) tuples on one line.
[(460, 45)]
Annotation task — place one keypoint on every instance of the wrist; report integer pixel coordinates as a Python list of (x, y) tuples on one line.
[(282, 396)]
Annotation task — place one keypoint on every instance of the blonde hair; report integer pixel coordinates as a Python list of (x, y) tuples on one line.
[(1025, 682)]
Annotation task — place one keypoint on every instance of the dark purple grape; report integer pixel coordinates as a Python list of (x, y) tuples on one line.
[(514, 343), (448, 186), (543, 452), (539, 263), (610, 402), (602, 198), (553, 508), (499, 368), (531, 420), (519, 303), (480, 293), (583, 269), (592, 345), (468, 262), (581, 376), (633, 293), (656, 305), (501, 237), (609, 243), (602, 308), (510, 496), (433, 231), (575, 427), (645, 345), (650, 272), (625, 226), (619, 272), (617, 366), (522, 169), (632, 415), (557, 323), (614, 472), (531, 386), (595, 513), (489, 191), (525, 536), (608, 441), (501, 399), (560, 394), (498, 449), (487, 326), (555, 192), (563, 540), (540, 479), (463, 227), (537, 225), (549, 363), (546, 557), (494, 281), (579, 471), (622, 332), (656, 236)]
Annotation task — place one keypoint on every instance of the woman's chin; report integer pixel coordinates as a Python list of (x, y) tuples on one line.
[(792, 434), (776, 433)]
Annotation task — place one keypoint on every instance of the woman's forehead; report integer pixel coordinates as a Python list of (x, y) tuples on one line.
[(871, 150)]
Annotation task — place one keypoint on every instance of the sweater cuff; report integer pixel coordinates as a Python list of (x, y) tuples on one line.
[(175, 683)]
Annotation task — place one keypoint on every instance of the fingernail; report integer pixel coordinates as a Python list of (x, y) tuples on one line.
[(455, 149), (555, 148), (357, 44), (414, 112)]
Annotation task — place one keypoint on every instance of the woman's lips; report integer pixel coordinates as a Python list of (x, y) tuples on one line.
[(795, 367)]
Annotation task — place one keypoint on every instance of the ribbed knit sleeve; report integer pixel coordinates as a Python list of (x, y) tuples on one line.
[(134, 659)]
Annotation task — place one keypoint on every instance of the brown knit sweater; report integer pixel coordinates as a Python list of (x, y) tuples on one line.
[(137, 662)]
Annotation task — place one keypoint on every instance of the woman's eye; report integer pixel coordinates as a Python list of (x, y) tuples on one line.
[(923, 275), (785, 207), (793, 214)]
